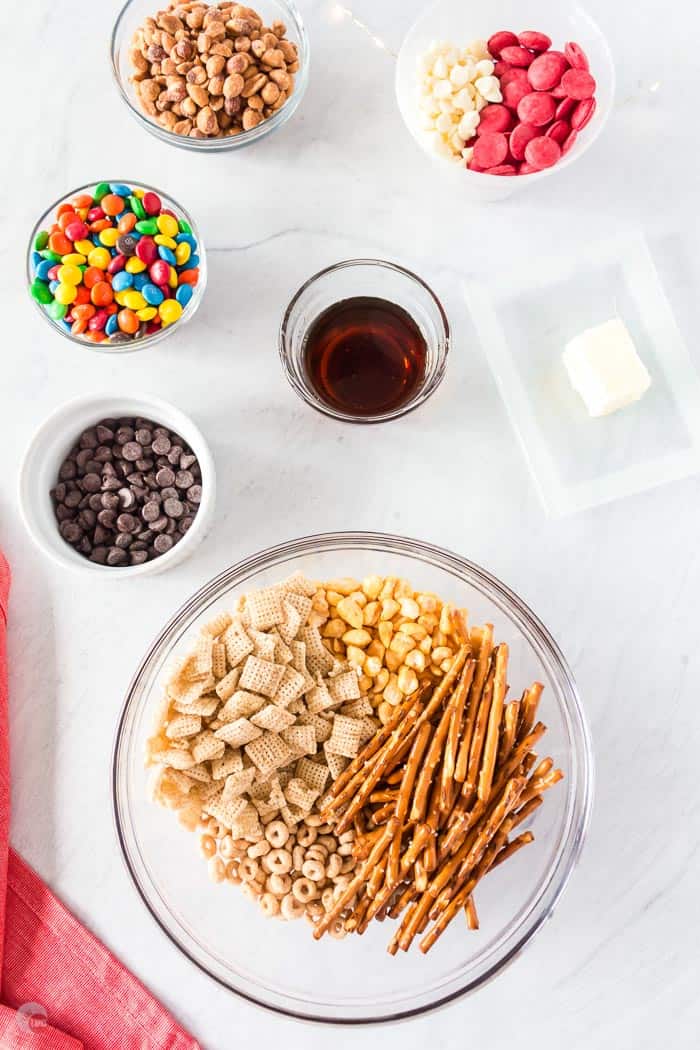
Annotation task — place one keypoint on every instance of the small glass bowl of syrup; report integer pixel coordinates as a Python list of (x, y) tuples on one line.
[(364, 341)]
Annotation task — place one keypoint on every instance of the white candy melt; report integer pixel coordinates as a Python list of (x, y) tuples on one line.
[(605, 368)]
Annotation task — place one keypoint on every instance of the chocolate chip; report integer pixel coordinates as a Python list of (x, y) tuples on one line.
[(132, 451), (109, 500), (59, 493), (64, 513), (173, 508), (103, 454), (170, 493), (72, 499), (111, 484), (162, 544), (165, 477), (127, 523), (184, 524), (68, 470), (83, 456), (116, 556), (107, 518), (104, 433), (183, 479), (92, 483), (174, 455), (87, 518), (126, 498), (194, 493), (98, 555), (144, 436), (88, 438), (124, 434), (71, 531), (101, 535), (95, 501), (108, 471), (138, 557), (150, 511), (161, 444), (186, 460), (123, 540), (159, 524)]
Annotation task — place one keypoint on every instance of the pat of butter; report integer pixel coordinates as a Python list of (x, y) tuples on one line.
[(605, 368)]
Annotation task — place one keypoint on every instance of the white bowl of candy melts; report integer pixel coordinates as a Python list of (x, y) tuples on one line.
[(502, 96)]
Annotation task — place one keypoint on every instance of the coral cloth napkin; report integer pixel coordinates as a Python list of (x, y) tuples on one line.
[(61, 988)]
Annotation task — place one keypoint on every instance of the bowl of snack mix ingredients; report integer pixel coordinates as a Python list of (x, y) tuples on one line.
[(117, 485), (364, 341), (325, 732), (210, 77), (116, 266), (498, 104)]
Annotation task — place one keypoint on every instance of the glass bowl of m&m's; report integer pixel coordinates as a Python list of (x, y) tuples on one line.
[(116, 266)]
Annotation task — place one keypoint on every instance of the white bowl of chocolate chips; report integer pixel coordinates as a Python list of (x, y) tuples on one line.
[(117, 485)]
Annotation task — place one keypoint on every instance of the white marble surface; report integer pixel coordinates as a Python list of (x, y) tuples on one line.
[(618, 967)]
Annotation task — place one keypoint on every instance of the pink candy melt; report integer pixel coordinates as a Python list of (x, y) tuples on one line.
[(547, 101), (490, 149)]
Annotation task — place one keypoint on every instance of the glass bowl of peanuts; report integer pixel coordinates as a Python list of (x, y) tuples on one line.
[(384, 637), (210, 77)]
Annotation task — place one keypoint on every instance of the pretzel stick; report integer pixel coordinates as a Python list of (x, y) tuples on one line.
[(381, 815), (353, 886), (460, 624), (518, 756), (376, 878), (420, 876), (485, 832), (384, 759), (513, 847), (425, 777), (479, 734), (477, 686), (402, 901), (362, 846), (420, 743), (528, 709), (446, 917), (527, 809), (394, 778), (511, 715), (383, 796), (494, 723), (354, 921), (471, 913), (537, 785), (449, 761), (370, 750)]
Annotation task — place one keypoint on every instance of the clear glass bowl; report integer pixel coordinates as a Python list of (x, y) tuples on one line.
[(132, 16), (46, 220), (364, 277), (279, 965)]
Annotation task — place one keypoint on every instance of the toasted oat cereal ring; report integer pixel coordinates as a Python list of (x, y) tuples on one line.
[(517, 56), (278, 884), (495, 117), (490, 149), (248, 869), (328, 898), (559, 131), (565, 108), (537, 108), (583, 114), (534, 41), (578, 84), (337, 930), (313, 870), (277, 834), (306, 836), (504, 38), (576, 56), (547, 70), (279, 861), (232, 873), (542, 152), (291, 908), (269, 905), (207, 846), (305, 890), (520, 136)]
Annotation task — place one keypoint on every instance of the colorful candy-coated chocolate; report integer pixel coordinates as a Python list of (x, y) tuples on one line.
[(115, 264)]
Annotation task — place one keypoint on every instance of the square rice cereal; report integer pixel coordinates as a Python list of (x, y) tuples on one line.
[(241, 705), (238, 733), (273, 718), (345, 738), (301, 739), (322, 727), (292, 686), (182, 726), (227, 686), (298, 793), (265, 644), (319, 698), (206, 746), (265, 608), (356, 708), (231, 762), (238, 644), (318, 660), (315, 774), (269, 752), (204, 706), (261, 676), (237, 784), (336, 763), (345, 687)]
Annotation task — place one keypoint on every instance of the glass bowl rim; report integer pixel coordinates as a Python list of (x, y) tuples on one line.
[(573, 835), (429, 385), (233, 142), (155, 337)]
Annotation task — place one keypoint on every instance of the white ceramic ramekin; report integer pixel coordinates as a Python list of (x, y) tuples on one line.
[(54, 439)]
